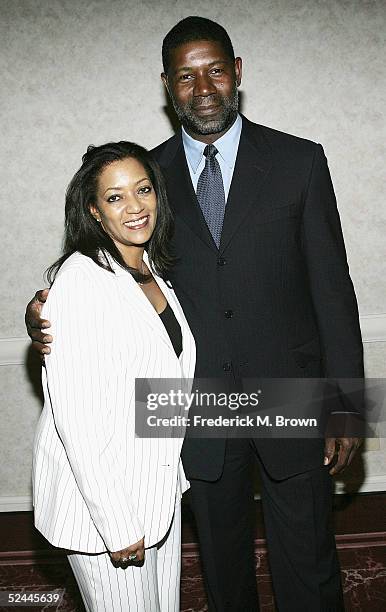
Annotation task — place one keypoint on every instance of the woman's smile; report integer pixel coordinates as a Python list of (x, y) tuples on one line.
[(137, 224)]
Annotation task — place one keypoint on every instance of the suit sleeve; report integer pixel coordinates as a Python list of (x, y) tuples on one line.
[(82, 389), (332, 291)]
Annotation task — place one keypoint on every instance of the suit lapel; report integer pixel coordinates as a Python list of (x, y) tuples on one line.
[(181, 194), (253, 164)]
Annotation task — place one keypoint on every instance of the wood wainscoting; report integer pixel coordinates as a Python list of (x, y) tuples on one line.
[(29, 563)]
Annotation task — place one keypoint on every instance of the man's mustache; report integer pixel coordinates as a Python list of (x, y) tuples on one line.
[(205, 101)]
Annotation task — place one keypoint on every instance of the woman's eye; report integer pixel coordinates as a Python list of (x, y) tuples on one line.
[(145, 189), (113, 198)]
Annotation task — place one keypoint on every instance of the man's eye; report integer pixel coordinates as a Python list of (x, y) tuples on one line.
[(217, 71), (113, 198), (185, 77)]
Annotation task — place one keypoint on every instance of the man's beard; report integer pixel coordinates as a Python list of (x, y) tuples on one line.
[(229, 106)]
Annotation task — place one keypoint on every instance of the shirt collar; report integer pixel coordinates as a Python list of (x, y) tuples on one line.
[(227, 146)]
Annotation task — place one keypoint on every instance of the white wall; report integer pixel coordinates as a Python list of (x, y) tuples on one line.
[(75, 72)]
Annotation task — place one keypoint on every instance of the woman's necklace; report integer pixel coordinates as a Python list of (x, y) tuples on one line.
[(143, 271)]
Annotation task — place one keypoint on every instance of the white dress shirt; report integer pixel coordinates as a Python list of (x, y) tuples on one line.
[(227, 146)]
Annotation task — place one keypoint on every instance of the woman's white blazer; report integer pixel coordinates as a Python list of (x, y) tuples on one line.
[(96, 486)]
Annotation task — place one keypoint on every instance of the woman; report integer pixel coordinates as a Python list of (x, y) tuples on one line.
[(100, 491)]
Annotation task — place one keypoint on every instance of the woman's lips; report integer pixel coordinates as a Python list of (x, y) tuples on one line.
[(137, 224)]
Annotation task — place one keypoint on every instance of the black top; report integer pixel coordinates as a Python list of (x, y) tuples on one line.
[(173, 328)]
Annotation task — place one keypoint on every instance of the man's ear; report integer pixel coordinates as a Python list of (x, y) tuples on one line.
[(238, 70), (164, 79)]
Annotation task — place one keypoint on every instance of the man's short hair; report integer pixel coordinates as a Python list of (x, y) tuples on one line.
[(191, 29)]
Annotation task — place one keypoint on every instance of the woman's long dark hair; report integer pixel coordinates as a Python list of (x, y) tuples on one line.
[(84, 234)]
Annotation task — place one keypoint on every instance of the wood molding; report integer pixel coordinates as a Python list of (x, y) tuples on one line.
[(13, 350), (22, 503), (375, 483), (373, 327), (189, 550), (372, 484)]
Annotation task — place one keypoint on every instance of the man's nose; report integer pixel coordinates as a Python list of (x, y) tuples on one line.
[(203, 85)]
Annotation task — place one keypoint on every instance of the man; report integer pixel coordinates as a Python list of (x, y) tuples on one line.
[(263, 279)]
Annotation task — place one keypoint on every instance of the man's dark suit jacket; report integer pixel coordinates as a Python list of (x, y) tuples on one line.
[(276, 299)]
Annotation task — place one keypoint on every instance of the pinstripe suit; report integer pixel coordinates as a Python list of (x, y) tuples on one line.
[(95, 486)]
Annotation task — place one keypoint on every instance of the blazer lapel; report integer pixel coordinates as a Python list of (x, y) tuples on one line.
[(135, 298), (181, 193), (187, 357), (253, 164)]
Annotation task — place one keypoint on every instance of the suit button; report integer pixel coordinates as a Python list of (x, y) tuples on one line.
[(228, 314), (301, 360), (227, 366), (221, 261)]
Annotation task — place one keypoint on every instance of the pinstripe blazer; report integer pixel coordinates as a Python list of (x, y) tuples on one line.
[(95, 486)]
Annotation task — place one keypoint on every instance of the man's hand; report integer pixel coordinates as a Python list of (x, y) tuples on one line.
[(346, 449), (122, 557), (35, 324)]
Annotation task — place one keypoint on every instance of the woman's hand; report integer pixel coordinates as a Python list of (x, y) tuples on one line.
[(132, 554)]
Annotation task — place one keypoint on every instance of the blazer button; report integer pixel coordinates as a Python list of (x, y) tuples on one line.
[(228, 314), (221, 261), (227, 366)]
